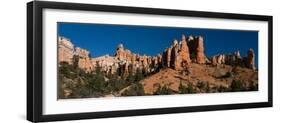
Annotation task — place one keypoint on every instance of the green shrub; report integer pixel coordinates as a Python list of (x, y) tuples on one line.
[(165, 90), (236, 85), (182, 89), (222, 89), (67, 70), (139, 75), (193, 55), (75, 60), (253, 86), (190, 88), (207, 88), (201, 85)]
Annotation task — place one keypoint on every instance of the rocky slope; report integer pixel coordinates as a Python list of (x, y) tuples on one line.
[(216, 77)]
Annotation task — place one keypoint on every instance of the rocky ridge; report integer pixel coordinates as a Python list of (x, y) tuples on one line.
[(178, 56)]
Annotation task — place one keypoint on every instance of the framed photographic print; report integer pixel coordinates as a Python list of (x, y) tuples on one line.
[(95, 61)]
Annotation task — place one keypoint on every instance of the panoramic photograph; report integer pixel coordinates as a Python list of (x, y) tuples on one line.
[(106, 60)]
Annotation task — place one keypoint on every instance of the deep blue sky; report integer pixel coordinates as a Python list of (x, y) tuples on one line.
[(101, 39)]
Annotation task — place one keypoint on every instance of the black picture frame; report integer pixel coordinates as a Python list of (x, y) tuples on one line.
[(35, 69)]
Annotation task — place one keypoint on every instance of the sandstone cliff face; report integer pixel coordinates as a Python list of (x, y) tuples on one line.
[(178, 56), (128, 61), (107, 63), (84, 61), (235, 59), (86, 64), (65, 50), (196, 49)]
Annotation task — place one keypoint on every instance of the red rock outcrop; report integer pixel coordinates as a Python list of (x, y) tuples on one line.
[(122, 53), (159, 60), (178, 56), (82, 53), (190, 38), (126, 59), (154, 61), (65, 50), (184, 53), (144, 60), (218, 59), (167, 57), (200, 55), (86, 64), (237, 54), (214, 60), (133, 58), (234, 59), (196, 49), (84, 60), (175, 61), (251, 59)]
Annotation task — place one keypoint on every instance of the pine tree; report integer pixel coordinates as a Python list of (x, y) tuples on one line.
[(139, 75), (190, 88), (182, 89)]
